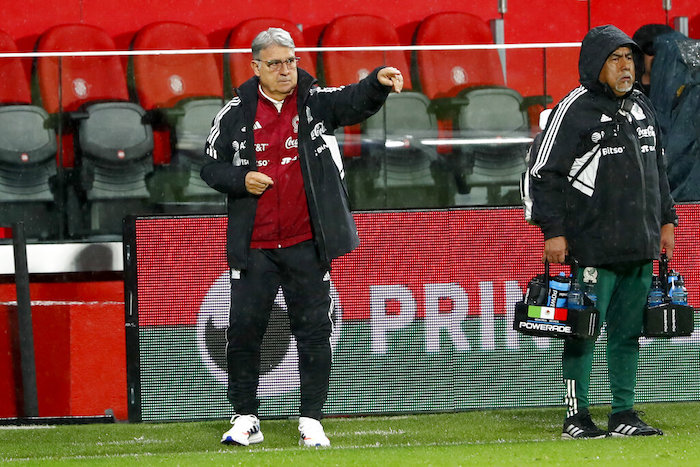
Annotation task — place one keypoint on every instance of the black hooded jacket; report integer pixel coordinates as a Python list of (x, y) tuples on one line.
[(599, 177), (231, 152)]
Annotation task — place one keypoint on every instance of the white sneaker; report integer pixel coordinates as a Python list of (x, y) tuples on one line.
[(245, 431), (312, 434)]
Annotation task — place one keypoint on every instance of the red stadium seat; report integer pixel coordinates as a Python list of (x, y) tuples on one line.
[(339, 68), (162, 81), (446, 72), (237, 65), (14, 88), (27, 152), (404, 172), (85, 79), (182, 93), (470, 98), (89, 97)]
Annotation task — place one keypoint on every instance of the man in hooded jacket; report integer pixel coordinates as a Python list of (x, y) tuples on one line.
[(600, 194)]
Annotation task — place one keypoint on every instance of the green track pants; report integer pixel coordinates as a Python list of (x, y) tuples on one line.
[(622, 294)]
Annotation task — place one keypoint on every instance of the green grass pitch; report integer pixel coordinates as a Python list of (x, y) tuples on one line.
[(494, 437)]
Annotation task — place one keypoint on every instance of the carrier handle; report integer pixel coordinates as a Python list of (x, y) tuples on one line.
[(571, 261), (663, 271)]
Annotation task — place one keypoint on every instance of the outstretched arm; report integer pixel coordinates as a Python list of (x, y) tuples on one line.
[(354, 103)]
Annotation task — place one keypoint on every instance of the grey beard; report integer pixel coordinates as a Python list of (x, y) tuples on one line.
[(624, 89)]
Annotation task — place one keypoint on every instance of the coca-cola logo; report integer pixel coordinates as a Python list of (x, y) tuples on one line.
[(319, 129)]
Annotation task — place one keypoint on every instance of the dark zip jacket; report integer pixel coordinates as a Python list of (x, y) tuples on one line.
[(599, 176), (231, 150)]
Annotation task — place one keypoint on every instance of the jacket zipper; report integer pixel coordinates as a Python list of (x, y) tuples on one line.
[(278, 171), (316, 227), (632, 137)]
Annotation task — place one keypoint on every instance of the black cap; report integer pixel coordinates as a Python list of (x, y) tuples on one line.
[(645, 35)]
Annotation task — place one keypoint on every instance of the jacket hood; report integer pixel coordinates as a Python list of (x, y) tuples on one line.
[(598, 44)]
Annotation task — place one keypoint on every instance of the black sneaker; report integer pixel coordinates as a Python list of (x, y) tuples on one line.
[(628, 423), (580, 426)]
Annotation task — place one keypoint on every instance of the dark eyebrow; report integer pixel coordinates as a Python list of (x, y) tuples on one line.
[(619, 55)]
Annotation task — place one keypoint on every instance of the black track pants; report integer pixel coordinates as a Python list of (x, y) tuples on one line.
[(306, 287)]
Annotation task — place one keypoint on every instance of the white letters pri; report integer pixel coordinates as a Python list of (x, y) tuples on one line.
[(445, 309)]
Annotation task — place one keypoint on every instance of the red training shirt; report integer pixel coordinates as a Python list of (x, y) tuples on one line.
[(282, 215)]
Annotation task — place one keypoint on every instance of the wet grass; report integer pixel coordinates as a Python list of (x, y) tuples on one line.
[(495, 437)]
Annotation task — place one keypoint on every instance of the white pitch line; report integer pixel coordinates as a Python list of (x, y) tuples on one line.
[(368, 432), (26, 427)]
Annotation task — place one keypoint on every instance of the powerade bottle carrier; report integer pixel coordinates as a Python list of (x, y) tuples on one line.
[(556, 307), (667, 313)]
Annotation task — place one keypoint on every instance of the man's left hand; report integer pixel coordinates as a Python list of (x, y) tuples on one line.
[(391, 76), (667, 239)]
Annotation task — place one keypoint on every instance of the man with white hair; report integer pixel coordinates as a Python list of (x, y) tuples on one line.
[(273, 153)]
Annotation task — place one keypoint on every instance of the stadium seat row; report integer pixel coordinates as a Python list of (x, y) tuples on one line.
[(136, 134)]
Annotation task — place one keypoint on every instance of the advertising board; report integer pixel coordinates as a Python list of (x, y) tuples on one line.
[(423, 321)]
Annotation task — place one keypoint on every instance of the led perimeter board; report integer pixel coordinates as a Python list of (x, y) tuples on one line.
[(424, 311)]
